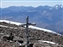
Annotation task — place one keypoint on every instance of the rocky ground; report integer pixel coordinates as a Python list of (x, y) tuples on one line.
[(34, 36)]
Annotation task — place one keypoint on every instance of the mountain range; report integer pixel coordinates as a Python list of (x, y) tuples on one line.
[(49, 17)]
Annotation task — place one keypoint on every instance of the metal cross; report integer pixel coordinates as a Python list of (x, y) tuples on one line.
[(27, 32)]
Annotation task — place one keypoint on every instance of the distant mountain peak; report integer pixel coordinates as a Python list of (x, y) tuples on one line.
[(58, 6)]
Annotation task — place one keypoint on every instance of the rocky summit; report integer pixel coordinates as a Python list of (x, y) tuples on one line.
[(37, 38)]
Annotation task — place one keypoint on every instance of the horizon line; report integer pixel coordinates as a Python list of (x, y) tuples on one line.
[(30, 6)]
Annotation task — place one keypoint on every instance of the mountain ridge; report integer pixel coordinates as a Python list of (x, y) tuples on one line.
[(18, 24), (45, 16)]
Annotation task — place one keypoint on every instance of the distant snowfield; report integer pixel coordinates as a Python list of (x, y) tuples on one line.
[(30, 26)]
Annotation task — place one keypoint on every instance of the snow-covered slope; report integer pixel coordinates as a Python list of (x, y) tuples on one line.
[(38, 28), (32, 27), (11, 22)]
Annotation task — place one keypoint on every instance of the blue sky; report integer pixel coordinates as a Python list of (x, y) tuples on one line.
[(31, 0), (34, 3)]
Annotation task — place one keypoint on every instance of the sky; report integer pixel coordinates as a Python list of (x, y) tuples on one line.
[(34, 3), (31, 0)]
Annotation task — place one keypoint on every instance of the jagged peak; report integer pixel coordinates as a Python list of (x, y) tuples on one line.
[(58, 6)]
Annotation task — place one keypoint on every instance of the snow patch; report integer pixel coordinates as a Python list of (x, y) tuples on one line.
[(47, 42), (33, 27), (11, 22)]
